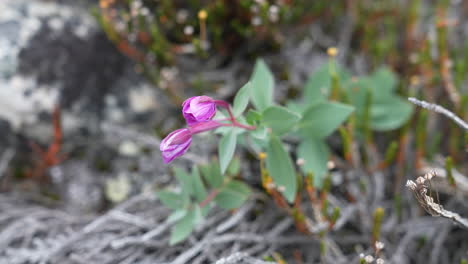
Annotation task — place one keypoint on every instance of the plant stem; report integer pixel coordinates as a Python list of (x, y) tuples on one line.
[(233, 120)]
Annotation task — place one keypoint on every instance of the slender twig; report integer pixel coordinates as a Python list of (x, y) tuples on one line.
[(441, 110), (420, 189)]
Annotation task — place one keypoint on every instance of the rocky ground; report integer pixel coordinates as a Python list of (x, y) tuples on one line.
[(98, 205)]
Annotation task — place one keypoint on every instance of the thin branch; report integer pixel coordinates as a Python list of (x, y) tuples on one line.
[(441, 110), (420, 189)]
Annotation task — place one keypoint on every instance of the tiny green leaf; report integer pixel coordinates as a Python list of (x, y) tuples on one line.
[(260, 133), (253, 117), (321, 119), (390, 113), (281, 169), (234, 166), (176, 215), (170, 199), (182, 229), (185, 180), (318, 86), (199, 189), (280, 119), (241, 100), (262, 86), (226, 148), (233, 195), (315, 153), (212, 174), (384, 82)]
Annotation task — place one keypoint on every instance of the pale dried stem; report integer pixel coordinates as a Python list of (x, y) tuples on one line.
[(420, 189), (441, 110)]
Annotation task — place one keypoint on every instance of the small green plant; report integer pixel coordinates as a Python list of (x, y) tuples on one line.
[(199, 192), (289, 140)]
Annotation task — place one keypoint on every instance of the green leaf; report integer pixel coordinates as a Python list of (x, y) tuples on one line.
[(241, 100), (315, 153), (260, 133), (317, 88), (176, 215), (234, 167), (321, 119), (280, 167), (233, 195), (170, 199), (296, 107), (389, 114), (212, 174), (384, 82), (198, 214), (280, 119), (253, 117), (356, 91), (185, 180), (262, 86), (226, 148), (182, 229), (199, 190)]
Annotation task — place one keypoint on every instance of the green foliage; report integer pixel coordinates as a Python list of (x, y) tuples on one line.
[(315, 153), (281, 168), (226, 148), (322, 119), (388, 111), (262, 86), (279, 119), (371, 101), (241, 100), (198, 194), (232, 195)]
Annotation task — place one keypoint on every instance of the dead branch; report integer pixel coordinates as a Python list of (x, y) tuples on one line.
[(441, 110), (420, 189)]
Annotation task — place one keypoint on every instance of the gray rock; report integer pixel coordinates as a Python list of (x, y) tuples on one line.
[(54, 53)]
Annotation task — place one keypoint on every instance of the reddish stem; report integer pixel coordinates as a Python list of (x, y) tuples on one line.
[(209, 198), (226, 105)]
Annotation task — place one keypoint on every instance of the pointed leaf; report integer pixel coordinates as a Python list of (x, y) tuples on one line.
[(241, 100), (185, 180), (226, 148), (182, 229), (315, 153), (233, 195), (176, 215), (391, 113), (170, 199), (384, 82), (253, 117), (321, 119), (262, 86), (317, 88), (280, 167), (212, 174), (280, 119), (199, 189), (234, 167)]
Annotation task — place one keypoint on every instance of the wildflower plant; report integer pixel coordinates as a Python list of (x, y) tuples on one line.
[(276, 134)]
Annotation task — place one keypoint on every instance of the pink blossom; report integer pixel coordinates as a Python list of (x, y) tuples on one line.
[(175, 144), (198, 109)]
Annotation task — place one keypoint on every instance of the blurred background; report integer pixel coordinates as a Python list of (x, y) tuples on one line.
[(88, 89)]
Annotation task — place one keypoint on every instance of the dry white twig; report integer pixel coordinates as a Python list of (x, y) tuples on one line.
[(441, 110), (420, 188)]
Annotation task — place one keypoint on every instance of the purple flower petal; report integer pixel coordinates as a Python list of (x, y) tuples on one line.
[(198, 109), (175, 144)]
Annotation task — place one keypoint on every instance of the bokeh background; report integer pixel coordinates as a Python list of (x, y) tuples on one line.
[(88, 89)]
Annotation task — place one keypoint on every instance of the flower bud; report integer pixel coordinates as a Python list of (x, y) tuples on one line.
[(198, 109), (175, 144)]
